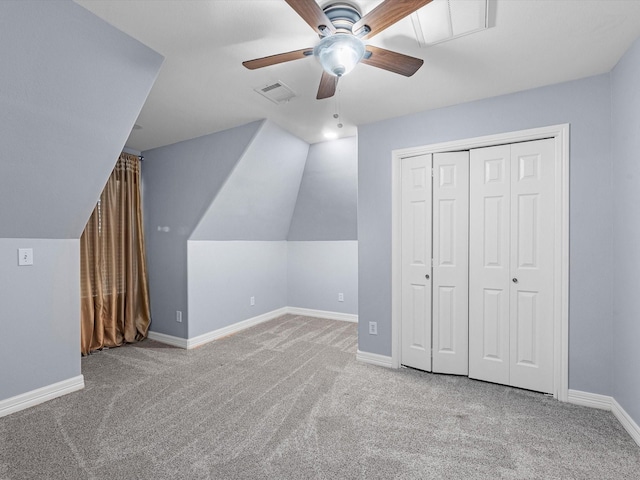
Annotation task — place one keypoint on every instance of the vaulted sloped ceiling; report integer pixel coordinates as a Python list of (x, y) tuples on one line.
[(71, 89), (327, 203), (183, 179), (258, 198)]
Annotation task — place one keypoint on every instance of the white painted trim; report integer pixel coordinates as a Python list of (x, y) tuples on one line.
[(234, 328), (168, 339), (586, 399), (189, 343), (560, 133), (625, 419), (307, 312), (374, 359), (561, 307), (396, 257), (40, 395), (551, 131)]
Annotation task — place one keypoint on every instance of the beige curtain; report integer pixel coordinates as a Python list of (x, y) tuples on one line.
[(115, 298)]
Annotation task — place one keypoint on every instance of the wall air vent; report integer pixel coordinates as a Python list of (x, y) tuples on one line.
[(277, 92)]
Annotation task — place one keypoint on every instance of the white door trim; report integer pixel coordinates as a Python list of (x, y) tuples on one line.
[(560, 133)]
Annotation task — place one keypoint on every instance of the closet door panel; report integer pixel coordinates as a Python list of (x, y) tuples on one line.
[(416, 262), (489, 256), (532, 259), (451, 263)]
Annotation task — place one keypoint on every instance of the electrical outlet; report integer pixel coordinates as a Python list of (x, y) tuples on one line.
[(341, 297), (178, 316), (373, 328), (252, 301), (25, 256)]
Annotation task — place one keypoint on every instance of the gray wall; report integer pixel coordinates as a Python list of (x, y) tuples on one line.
[(39, 315), (318, 271), (322, 258), (236, 205), (240, 184), (70, 90), (223, 275), (585, 104), (626, 230), (180, 182), (238, 250), (326, 208)]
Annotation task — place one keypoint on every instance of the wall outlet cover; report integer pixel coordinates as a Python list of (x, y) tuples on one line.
[(373, 328), (25, 256)]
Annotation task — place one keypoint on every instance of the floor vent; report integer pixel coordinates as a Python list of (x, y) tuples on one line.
[(277, 92)]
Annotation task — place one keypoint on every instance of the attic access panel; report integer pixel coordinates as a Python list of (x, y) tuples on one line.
[(444, 20)]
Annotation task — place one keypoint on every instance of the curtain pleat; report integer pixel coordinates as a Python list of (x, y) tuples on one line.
[(115, 296)]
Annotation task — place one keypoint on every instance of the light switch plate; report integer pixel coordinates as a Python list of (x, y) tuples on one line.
[(25, 256)]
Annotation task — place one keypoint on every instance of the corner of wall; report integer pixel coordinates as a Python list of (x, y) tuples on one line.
[(182, 181)]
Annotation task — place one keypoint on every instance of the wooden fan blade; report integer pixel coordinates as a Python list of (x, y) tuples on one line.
[(386, 14), (328, 84), (279, 58), (393, 61), (311, 13)]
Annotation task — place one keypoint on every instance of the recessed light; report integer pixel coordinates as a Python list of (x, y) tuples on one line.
[(330, 135)]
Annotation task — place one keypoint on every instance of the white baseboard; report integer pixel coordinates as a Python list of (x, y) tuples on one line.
[(236, 327), (189, 343), (586, 399), (307, 312), (168, 339), (374, 359), (40, 395), (605, 402), (626, 421), (194, 342)]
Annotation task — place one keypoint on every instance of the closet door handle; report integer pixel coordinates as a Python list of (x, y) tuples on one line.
[(515, 280), (427, 276)]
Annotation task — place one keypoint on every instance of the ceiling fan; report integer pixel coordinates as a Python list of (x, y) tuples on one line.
[(342, 29)]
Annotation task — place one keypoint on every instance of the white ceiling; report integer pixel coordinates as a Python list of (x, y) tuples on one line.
[(203, 87)]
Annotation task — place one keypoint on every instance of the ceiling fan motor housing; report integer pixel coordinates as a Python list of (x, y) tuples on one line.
[(343, 16)]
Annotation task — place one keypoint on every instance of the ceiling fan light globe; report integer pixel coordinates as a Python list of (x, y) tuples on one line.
[(339, 54)]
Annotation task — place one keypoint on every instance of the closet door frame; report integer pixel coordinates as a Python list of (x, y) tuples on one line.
[(560, 134)]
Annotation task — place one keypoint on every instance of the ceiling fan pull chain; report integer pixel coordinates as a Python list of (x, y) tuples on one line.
[(337, 114)]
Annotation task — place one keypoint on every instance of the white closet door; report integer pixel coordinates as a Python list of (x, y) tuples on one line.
[(532, 240), (511, 265), (416, 262), (489, 282), (450, 262)]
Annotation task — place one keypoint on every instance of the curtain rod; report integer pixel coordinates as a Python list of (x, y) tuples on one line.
[(140, 156)]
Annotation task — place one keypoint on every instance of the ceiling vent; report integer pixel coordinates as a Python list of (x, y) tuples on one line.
[(443, 20), (277, 92)]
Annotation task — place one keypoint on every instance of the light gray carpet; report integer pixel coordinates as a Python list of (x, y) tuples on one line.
[(287, 399)]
